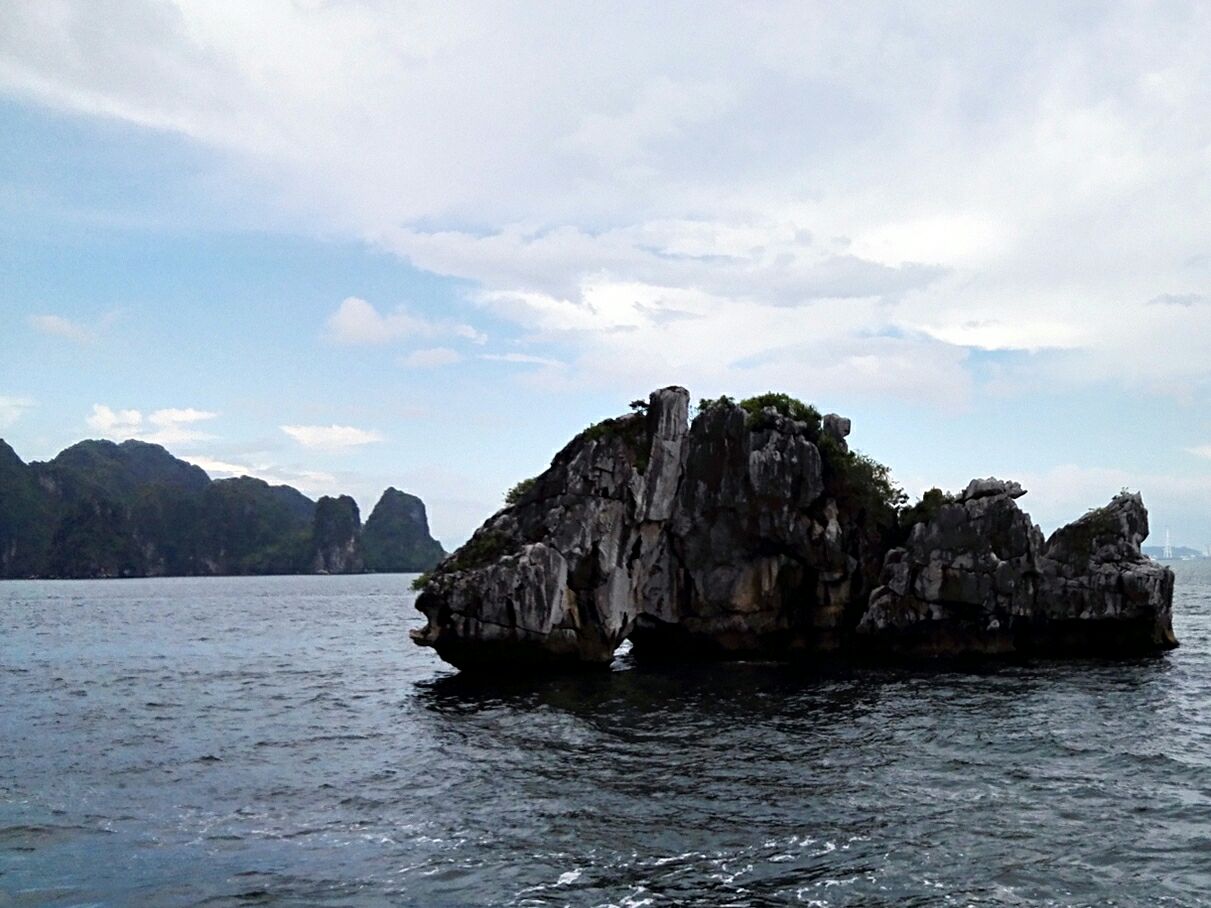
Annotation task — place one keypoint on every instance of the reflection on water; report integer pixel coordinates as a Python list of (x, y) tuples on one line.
[(279, 741)]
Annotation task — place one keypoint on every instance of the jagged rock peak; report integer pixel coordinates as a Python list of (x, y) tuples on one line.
[(396, 536), (1113, 532), (336, 536), (978, 579), (985, 488)]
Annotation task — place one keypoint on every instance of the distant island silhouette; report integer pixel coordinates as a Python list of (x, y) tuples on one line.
[(102, 509)]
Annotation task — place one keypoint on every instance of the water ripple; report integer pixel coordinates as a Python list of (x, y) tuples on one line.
[(279, 741)]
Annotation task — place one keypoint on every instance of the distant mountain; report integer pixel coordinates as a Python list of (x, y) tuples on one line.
[(396, 537), (101, 509), (1179, 551)]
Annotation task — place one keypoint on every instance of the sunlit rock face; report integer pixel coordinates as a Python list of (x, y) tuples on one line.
[(749, 534)]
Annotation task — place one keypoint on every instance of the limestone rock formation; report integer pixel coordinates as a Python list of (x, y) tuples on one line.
[(731, 536), (336, 536), (979, 579), (396, 535), (755, 532)]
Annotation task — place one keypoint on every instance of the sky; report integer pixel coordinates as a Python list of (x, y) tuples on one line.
[(353, 245)]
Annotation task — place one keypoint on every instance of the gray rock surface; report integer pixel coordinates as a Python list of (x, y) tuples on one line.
[(750, 535), (714, 539), (838, 427), (983, 488), (979, 579)]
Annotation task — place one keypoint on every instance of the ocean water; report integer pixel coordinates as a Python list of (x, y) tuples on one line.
[(280, 741)]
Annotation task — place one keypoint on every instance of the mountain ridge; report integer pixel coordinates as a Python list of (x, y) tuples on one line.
[(131, 509)]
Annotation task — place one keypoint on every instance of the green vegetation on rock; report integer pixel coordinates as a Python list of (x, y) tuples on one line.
[(860, 483), (631, 429), (705, 403), (483, 548), (1082, 538), (335, 542), (785, 405), (927, 508), (519, 491)]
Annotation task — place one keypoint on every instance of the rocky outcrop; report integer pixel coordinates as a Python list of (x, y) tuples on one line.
[(336, 536), (732, 536), (101, 509), (978, 578), (754, 532), (396, 536)]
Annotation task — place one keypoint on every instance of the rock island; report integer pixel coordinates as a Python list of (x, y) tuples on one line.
[(755, 532)]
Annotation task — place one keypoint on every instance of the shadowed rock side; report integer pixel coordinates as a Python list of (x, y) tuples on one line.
[(754, 533)]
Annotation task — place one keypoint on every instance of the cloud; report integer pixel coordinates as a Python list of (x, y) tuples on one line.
[(995, 334), (1178, 299), (358, 322), (963, 181), (524, 358), (11, 409), (162, 427), (58, 326), (1201, 451), (432, 358), (311, 482), (331, 438), (126, 423)]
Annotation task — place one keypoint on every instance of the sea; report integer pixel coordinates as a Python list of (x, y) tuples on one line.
[(280, 741)]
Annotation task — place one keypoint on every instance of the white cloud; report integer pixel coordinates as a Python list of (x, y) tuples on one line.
[(1201, 451), (172, 417), (1008, 335), (164, 427), (432, 358), (331, 438), (661, 110), (524, 358), (358, 322), (216, 467), (58, 326), (1178, 299), (310, 482), (11, 409), (115, 422), (968, 180)]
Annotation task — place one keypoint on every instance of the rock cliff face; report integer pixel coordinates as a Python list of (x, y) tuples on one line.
[(755, 532)]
